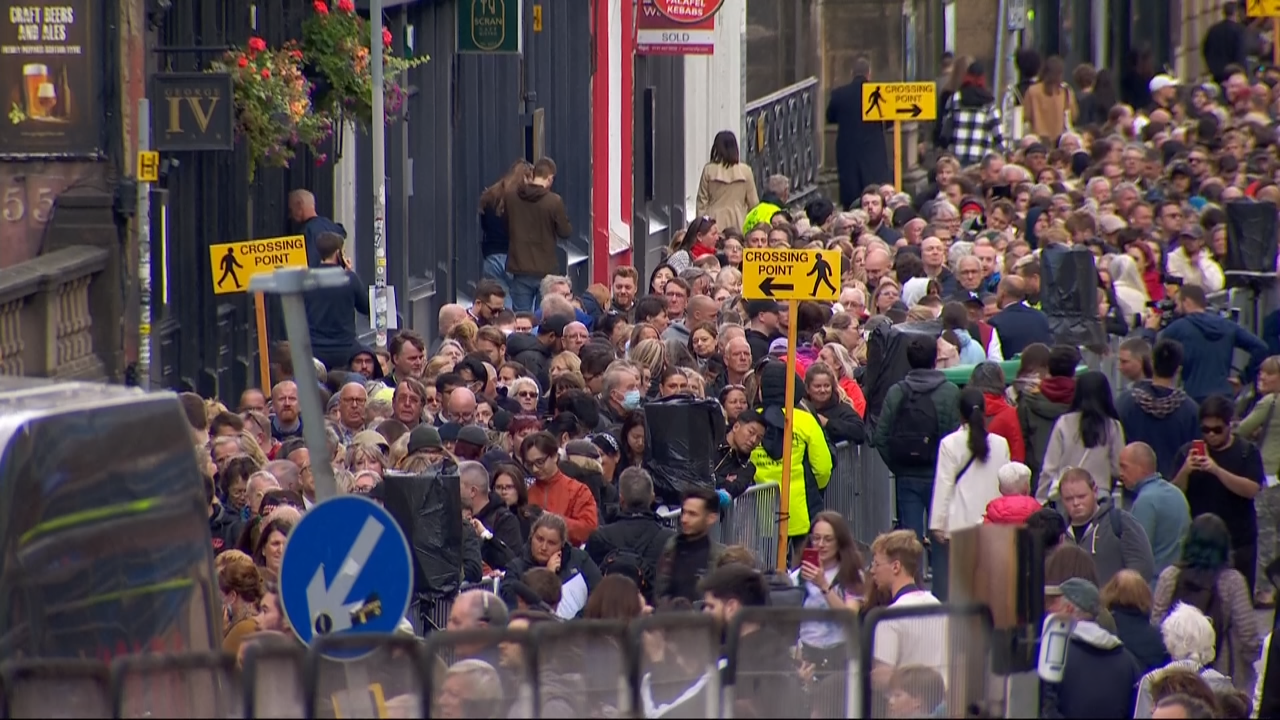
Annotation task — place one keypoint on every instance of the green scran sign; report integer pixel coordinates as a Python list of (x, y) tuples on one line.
[(489, 26)]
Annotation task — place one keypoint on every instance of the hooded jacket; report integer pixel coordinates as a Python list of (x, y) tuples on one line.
[(971, 125), (734, 472), (946, 401), (1145, 704), (1002, 420), (311, 232), (507, 542), (1208, 342), (225, 527), (536, 218), (366, 350), (1067, 449), (525, 349), (1100, 679), (811, 461), (1011, 509), (570, 499), (1164, 418), (590, 472), (971, 351), (578, 577), (843, 424), (1112, 552), (1037, 414)]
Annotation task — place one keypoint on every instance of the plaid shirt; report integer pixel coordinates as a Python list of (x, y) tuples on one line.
[(971, 133)]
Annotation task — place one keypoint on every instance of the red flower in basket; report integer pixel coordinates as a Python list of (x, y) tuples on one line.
[(257, 44), (346, 6), (321, 8), (386, 37)]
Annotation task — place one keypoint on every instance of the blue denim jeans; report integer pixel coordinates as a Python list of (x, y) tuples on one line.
[(525, 292), (495, 268), (915, 495)]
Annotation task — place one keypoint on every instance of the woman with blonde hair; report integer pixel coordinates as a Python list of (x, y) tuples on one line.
[(887, 294), (651, 356), (249, 446), (565, 362), (464, 333)]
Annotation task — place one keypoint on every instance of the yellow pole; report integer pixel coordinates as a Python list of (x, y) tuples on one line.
[(264, 358), (1275, 40), (897, 155), (784, 514)]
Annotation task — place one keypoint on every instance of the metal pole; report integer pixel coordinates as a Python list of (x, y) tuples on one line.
[(1002, 44), (143, 220), (290, 284), (379, 179)]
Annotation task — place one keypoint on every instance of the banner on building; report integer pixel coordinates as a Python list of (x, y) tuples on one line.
[(51, 62), (677, 27)]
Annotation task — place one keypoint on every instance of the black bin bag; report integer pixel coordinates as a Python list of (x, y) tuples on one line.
[(681, 436), (428, 509), (1069, 295)]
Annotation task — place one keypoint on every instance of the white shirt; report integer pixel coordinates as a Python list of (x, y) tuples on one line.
[(916, 640), (1203, 271), (959, 506), (818, 634)]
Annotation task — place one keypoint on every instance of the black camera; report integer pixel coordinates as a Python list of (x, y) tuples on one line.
[(1167, 308)]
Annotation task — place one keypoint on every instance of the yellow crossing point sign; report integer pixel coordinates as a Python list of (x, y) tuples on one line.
[(769, 274), (234, 263), (901, 102), (1262, 8), (148, 166)]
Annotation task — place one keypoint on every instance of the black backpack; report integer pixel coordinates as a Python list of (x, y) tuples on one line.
[(622, 561), (914, 437)]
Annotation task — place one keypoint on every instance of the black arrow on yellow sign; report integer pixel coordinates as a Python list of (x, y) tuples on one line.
[(768, 285), (914, 111)]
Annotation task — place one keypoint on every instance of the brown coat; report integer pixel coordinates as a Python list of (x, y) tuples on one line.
[(536, 217), (727, 194), (1244, 641), (1047, 116)]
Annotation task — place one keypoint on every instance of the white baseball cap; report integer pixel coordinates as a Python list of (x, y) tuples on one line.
[(1160, 82)]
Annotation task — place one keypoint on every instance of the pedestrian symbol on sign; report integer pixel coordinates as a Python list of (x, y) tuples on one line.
[(822, 269), (876, 99), (229, 265)]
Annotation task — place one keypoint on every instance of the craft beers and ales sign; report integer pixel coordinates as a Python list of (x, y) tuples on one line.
[(49, 61)]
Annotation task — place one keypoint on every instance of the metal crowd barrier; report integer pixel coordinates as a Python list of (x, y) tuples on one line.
[(665, 665), (752, 521), (861, 490)]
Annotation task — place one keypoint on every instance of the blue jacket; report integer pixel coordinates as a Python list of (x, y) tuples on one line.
[(1020, 326), (1164, 418), (1208, 343), (1165, 515)]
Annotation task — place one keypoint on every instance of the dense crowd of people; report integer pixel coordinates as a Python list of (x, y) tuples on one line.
[(1152, 491)]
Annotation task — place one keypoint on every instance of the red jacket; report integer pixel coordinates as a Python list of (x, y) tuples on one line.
[(1002, 420), (1011, 509), (571, 500), (859, 401)]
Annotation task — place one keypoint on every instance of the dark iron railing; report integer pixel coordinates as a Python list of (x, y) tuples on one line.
[(781, 137)]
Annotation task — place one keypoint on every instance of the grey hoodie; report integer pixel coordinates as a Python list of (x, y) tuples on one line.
[(1111, 551), (1145, 704)]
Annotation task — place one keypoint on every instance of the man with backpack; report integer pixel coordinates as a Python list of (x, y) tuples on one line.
[(633, 542), (918, 412), (1113, 538)]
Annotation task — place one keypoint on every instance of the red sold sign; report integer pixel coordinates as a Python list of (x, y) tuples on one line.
[(688, 11)]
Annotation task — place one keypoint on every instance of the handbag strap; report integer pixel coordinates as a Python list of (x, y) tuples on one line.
[(964, 469)]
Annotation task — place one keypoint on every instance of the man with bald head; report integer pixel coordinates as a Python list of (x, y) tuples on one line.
[(737, 361), (877, 266), (451, 315), (1158, 505), (460, 407), (1019, 324), (477, 610), (575, 336), (302, 211)]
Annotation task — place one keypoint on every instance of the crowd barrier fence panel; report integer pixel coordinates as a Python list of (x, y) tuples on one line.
[(391, 672), (673, 660), (594, 652), (493, 645), (963, 680), (185, 685), (752, 521), (61, 688), (770, 686), (273, 677)]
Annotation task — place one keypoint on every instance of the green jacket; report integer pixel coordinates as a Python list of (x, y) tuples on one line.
[(1036, 416), (946, 399)]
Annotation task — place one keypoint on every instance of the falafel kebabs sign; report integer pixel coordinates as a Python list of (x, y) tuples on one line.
[(50, 63)]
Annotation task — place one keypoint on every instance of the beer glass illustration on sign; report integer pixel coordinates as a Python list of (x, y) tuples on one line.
[(40, 95)]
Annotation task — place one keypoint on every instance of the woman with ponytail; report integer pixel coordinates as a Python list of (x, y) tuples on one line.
[(969, 461)]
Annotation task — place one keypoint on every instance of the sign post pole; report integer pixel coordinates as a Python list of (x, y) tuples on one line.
[(784, 503), (897, 154), (143, 225), (379, 142), (1275, 40), (790, 276), (264, 359)]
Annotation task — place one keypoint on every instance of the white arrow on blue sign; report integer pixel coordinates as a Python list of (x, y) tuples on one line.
[(346, 571)]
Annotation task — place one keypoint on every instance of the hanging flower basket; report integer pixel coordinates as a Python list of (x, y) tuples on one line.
[(274, 114), (335, 45)]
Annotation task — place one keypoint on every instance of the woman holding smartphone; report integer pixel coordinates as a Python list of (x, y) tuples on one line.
[(830, 573)]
